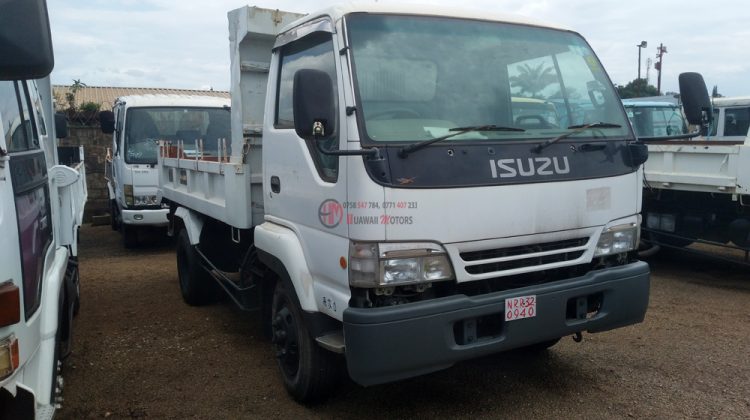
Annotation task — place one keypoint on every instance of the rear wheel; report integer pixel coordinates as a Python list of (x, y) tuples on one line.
[(309, 372), (196, 285)]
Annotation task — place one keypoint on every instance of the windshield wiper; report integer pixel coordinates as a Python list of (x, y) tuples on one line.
[(576, 129), (404, 152)]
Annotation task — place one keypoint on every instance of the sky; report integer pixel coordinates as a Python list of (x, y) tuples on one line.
[(184, 43)]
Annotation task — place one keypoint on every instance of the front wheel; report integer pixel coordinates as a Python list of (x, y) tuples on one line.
[(113, 218), (309, 372), (129, 235)]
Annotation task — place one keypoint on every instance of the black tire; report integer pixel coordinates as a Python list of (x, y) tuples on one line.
[(129, 235), (310, 373), (196, 285), (113, 218)]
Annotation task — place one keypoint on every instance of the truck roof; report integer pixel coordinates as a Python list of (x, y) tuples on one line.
[(653, 104), (338, 11), (733, 101), (174, 100)]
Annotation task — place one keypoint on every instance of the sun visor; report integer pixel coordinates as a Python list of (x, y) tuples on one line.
[(323, 24)]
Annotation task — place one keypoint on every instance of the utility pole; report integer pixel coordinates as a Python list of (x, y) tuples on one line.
[(648, 69), (659, 54)]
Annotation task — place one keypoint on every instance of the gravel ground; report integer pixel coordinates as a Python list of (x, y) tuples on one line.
[(139, 351)]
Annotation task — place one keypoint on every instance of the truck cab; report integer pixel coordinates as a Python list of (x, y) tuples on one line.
[(41, 209), (655, 119), (731, 120), (137, 124)]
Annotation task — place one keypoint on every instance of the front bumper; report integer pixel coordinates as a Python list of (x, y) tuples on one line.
[(145, 217), (391, 343)]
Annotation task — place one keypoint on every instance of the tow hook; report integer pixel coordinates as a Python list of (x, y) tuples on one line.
[(578, 337)]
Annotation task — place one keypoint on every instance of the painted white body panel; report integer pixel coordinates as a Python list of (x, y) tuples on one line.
[(718, 164), (67, 197)]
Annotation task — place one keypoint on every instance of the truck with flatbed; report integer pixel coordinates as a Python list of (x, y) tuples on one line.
[(41, 209), (698, 189), (383, 208)]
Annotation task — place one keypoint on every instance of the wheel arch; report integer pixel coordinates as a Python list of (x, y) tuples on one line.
[(279, 248)]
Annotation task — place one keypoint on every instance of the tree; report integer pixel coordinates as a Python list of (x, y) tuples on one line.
[(71, 95), (532, 80), (636, 89), (715, 92)]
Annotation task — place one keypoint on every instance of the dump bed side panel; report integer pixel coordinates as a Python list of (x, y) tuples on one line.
[(229, 187)]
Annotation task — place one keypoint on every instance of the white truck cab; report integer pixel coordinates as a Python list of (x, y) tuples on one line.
[(385, 200), (137, 124), (41, 209)]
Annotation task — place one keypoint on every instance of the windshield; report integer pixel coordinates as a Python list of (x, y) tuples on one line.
[(417, 77), (657, 121), (146, 126)]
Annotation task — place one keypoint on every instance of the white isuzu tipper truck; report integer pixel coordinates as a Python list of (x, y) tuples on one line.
[(698, 189), (137, 123), (381, 201), (41, 209)]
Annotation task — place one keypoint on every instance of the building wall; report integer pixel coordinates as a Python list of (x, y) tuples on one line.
[(95, 145)]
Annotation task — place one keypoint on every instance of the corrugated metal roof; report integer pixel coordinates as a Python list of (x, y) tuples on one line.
[(105, 96)]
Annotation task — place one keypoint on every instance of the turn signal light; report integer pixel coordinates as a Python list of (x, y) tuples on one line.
[(9, 358), (10, 304)]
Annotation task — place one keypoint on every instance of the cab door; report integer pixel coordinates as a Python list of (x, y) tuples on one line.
[(304, 188)]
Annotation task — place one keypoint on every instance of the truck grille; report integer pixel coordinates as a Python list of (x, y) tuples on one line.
[(516, 257)]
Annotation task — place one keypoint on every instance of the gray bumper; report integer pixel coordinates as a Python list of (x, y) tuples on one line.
[(392, 343)]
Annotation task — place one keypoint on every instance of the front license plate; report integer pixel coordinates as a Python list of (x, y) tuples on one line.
[(520, 307)]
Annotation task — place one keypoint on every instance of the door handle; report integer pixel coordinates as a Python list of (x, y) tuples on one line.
[(275, 184)]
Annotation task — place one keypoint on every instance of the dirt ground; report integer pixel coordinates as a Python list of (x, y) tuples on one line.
[(139, 351)]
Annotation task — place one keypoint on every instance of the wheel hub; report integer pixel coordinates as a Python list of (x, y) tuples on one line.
[(285, 339)]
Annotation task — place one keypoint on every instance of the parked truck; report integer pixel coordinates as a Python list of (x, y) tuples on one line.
[(381, 206), (41, 209), (137, 123), (698, 189)]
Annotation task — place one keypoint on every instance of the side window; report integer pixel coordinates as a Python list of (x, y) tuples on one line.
[(312, 52), (28, 171), (13, 127), (736, 121), (37, 100)]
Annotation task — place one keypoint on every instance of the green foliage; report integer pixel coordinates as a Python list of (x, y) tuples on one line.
[(636, 89), (70, 96), (90, 107)]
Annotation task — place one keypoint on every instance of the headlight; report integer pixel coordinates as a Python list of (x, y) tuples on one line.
[(146, 200), (128, 193), (394, 264), (618, 239)]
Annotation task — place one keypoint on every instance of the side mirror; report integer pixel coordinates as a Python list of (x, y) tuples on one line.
[(61, 125), (25, 42), (695, 100), (313, 104), (107, 122), (636, 154)]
